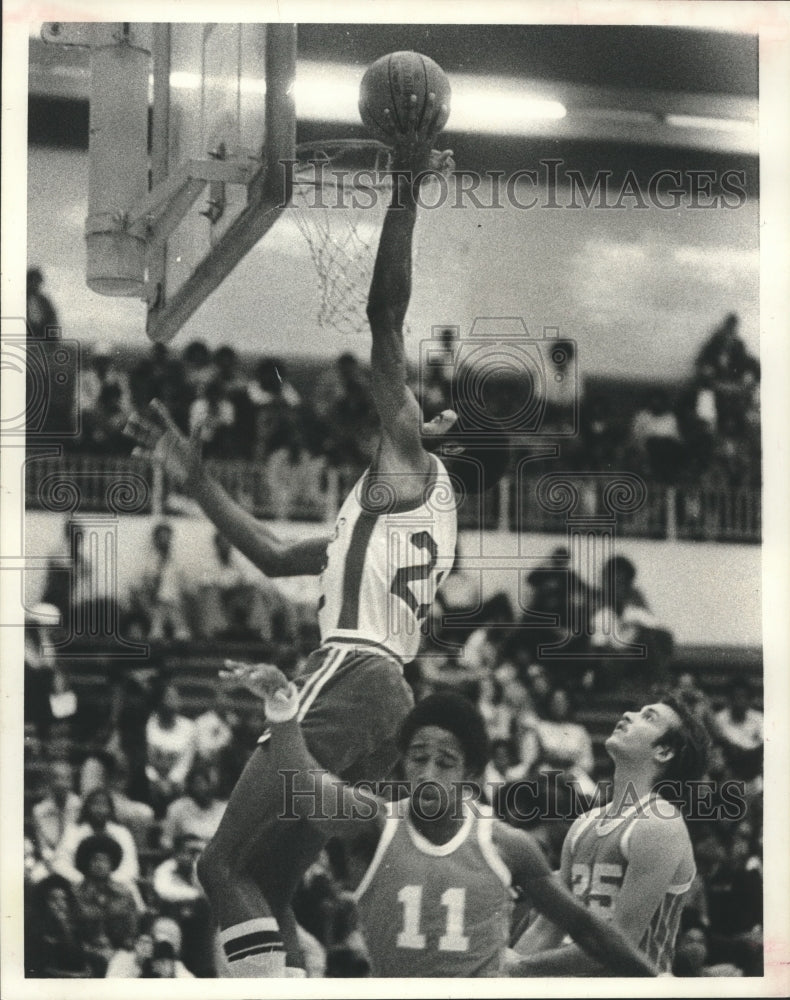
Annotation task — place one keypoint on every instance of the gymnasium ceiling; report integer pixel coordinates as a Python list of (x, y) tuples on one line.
[(628, 90), (649, 58)]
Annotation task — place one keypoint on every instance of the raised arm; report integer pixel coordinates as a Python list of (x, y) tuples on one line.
[(163, 441), (390, 289), (603, 942), (259, 544)]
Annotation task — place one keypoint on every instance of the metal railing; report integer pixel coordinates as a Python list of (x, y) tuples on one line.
[(134, 485)]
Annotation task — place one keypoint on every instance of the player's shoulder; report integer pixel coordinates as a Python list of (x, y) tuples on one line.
[(401, 484), (659, 813), (393, 812), (659, 822)]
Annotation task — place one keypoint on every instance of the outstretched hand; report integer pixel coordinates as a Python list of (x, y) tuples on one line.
[(262, 679), (412, 141), (159, 438)]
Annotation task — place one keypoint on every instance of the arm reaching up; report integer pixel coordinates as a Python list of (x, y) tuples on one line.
[(390, 290), (162, 440)]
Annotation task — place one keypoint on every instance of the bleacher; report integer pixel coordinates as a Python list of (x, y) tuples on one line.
[(194, 669), (713, 668)]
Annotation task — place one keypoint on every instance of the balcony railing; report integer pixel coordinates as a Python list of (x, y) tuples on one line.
[(309, 492)]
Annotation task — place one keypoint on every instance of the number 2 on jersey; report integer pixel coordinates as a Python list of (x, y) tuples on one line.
[(453, 900), (405, 575)]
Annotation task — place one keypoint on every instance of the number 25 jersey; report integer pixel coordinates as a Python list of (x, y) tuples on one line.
[(599, 855), (385, 563)]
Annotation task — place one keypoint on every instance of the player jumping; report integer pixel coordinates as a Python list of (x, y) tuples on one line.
[(630, 861), (394, 540)]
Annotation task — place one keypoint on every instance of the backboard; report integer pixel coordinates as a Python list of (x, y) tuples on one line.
[(222, 92), (189, 125)]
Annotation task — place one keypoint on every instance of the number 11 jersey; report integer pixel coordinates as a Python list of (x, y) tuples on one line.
[(430, 909), (385, 563)]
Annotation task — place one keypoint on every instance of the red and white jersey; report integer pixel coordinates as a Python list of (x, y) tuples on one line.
[(599, 852), (385, 563), (436, 909)]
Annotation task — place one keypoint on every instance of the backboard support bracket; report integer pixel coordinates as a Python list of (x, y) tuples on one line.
[(142, 224)]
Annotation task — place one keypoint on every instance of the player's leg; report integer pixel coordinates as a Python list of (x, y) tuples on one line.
[(246, 869), (353, 714), (291, 848), (257, 857), (230, 867)]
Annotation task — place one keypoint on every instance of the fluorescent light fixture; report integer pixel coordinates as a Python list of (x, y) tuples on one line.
[(500, 106), (735, 125), (497, 104), (327, 92), (330, 92)]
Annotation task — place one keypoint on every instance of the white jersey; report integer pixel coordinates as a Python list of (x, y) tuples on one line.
[(385, 563)]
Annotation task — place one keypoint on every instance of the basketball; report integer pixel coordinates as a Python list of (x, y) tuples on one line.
[(389, 83)]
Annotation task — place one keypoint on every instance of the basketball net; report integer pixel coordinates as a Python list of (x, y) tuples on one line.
[(341, 191)]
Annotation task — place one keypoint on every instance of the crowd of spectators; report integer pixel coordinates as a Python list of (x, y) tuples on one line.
[(116, 823), (226, 600), (120, 801), (127, 799), (704, 430)]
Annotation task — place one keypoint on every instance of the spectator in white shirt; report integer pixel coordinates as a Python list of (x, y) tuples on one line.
[(502, 768), (738, 723), (55, 813), (223, 580), (739, 728), (198, 367), (98, 817), (161, 586), (622, 609), (99, 374), (170, 739), (213, 415), (175, 880), (214, 729), (497, 714), (131, 963), (655, 433), (181, 897), (34, 868), (559, 742), (198, 812), (111, 772)]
